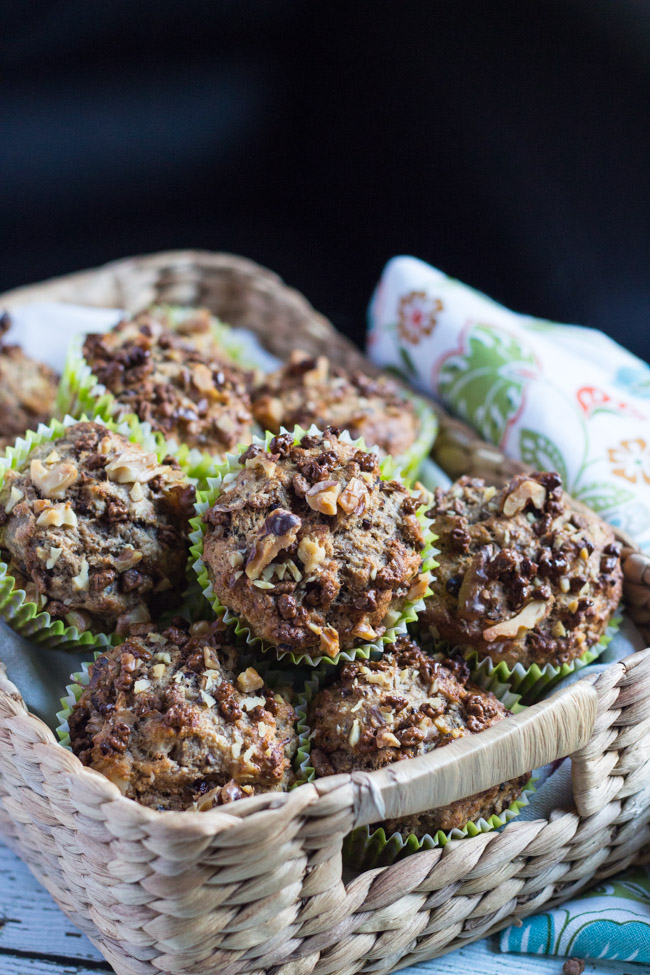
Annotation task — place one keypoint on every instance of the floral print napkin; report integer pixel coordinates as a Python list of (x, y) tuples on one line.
[(559, 397)]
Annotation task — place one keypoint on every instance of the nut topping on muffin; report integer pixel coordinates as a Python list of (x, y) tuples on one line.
[(176, 378), (401, 706), (525, 575), (311, 390), (310, 546), (175, 723), (95, 529), (27, 390)]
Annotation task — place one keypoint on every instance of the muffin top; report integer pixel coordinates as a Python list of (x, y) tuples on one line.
[(311, 547), (524, 575), (403, 705), (174, 720), (95, 529), (176, 378), (308, 390), (27, 390)]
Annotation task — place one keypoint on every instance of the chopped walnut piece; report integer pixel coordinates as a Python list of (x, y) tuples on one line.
[(54, 556), (323, 496), (353, 494), (268, 410), (528, 618), (262, 460), (317, 375), (81, 581), (355, 733), (127, 559), (280, 530), (133, 464), (56, 516), (419, 587), (202, 377), (15, 496), (363, 631), (136, 493), (386, 739), (52, 481), (77, 617), (329, 641), (527, 491), (249, 680), (311, 554)]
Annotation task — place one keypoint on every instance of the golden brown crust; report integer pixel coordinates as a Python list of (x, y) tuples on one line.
[(311, 546), (308, 390), (405, 704), (177, 379), (175, 721), (524, 577), (27, 391), (95, 529)]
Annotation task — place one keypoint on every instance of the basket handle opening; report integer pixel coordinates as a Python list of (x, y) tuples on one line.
[(545, 732)]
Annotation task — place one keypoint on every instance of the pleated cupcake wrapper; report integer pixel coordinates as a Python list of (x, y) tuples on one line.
[(529, 683), (80, 679), (81, 392), (302, 763), (24, 616), (227, 471), (364, 848)]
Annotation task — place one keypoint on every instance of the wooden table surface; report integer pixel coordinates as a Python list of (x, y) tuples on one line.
[(37, 939)]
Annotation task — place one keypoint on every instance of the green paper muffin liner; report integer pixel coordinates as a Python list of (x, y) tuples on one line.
[(365, 848), (80, 392), (74, 691), (22, 615), (530, 683), (227, 471)]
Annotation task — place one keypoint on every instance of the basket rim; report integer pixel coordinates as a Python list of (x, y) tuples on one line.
[(357, 791), (115, 273)]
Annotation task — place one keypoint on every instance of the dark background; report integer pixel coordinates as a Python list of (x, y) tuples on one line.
[(507, 143)]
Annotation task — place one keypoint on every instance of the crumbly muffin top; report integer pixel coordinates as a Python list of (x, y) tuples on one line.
[(174, 720), (403, 705), (95, 529), (524, 575), (176, 378), (27, 390), (311, 390), (311, 546)]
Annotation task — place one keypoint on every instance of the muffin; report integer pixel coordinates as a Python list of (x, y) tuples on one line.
[(27, 390), (176, 722), (308, 390), (312, 547), (175, 376), (406, 704), (525, 577), (95, 530)]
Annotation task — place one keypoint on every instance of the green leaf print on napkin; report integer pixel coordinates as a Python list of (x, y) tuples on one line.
[(483, 381), (541, 453), (600, 496)]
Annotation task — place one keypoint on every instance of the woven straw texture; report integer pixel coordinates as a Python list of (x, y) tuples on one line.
[(259, 888)]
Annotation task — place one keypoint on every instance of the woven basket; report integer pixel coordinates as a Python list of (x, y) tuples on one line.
[(258, 888)]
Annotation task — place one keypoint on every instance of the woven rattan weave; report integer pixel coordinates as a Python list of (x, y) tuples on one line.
[(259, 888)]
